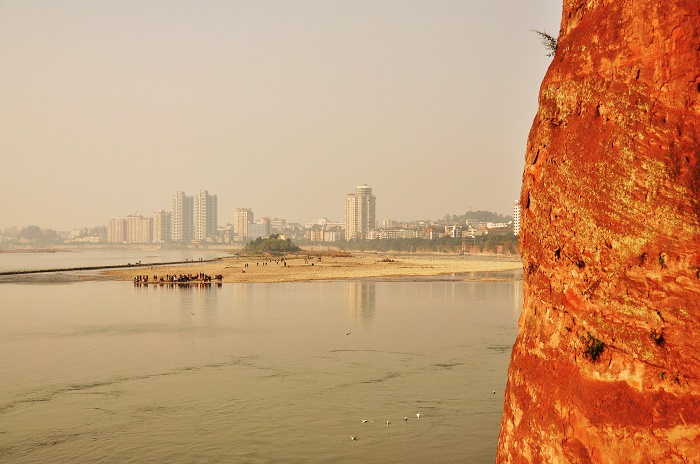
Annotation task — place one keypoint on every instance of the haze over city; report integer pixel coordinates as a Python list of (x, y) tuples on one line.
[(107, 109)]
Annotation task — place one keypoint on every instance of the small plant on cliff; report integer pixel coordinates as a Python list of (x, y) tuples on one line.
[(662, 260), (593, 347), (548, 41), (642, 258)]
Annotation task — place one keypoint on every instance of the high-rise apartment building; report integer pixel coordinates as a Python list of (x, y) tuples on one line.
[(139, 229), (116, 230), (242, 217), (205, 215), (516, 218), (360, 213), (133, 229), (256, 230), (182, 218), (161, 226), (267, 226)]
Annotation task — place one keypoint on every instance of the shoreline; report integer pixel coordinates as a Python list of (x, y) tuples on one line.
[(327, 268)]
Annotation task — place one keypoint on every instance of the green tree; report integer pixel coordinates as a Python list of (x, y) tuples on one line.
[(273, 245), (31, 234)]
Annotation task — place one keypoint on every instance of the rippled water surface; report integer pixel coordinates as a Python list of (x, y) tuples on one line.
[(108, 371)]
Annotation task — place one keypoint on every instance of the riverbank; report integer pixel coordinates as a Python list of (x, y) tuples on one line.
[(300, 269)]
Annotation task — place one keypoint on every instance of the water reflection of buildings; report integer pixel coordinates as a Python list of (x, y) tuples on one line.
[(360, 301), (193, 298)]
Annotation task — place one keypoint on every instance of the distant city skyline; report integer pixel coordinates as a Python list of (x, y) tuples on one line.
[(194, 220), (200, 212), (108, 107), (180, 222)]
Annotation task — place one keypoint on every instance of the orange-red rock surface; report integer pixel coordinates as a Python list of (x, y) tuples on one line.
[(606, 367)]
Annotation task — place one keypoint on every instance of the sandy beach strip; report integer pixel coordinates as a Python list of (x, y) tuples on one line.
[(300, 269)]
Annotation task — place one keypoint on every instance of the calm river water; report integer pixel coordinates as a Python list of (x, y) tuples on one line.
[(259, 373), (101, 257)]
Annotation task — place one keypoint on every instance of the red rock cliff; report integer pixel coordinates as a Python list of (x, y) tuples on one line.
[(606, 367)]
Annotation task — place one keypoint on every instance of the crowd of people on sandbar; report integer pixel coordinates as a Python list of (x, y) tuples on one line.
[(179, 278)]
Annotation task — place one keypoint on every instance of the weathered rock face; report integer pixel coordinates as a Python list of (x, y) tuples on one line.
[(606, 367)]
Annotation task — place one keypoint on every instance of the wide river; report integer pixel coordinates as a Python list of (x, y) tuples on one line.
[(256, 373)]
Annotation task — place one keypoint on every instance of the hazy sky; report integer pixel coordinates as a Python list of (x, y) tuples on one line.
[(107, 108)]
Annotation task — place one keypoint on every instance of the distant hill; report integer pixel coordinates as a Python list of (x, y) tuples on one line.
[(481, 216)]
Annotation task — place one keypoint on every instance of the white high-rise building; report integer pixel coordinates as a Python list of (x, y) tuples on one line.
[(267, 227), (360, 213), (205, 215), (242, 217), (161, 226), (139, 229), (181, 218), (116, 230), (516, 218)]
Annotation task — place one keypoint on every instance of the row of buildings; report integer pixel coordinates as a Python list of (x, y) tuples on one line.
[(331, 232), (191, 218), (194, 219), (361, 224)]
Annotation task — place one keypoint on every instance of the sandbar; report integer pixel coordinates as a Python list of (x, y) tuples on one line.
[(303, 269)]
